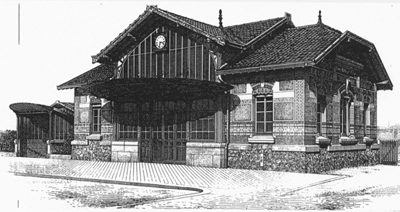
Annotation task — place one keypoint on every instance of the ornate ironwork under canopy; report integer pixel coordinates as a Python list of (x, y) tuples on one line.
[(138, 90)]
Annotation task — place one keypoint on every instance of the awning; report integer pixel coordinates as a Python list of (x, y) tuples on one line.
[(29, 108), (138, 90)]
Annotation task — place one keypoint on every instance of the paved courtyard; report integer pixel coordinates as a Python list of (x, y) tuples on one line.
[(355, 188)]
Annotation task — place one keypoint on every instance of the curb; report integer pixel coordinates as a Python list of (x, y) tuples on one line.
[(153, 185), (314, 184)]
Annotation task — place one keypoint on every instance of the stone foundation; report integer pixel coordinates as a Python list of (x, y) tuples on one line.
[(205, 154), (91, 150), (300, 158), (124, 151), (8, 154)]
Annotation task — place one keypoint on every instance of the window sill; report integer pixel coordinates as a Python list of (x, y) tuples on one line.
[(323, 141), (55, 141), (351, 140), (94, 137), (262, 139)]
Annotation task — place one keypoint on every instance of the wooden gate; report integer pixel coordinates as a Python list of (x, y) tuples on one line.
[(389, 152)]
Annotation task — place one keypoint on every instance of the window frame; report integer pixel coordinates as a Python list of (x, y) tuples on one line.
[(268, 98), (345, 106), (93, 122), (321, 114)]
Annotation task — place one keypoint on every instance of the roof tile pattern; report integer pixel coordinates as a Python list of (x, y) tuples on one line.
[(292, 45), (237, 34), (244, 33), (99, 73)]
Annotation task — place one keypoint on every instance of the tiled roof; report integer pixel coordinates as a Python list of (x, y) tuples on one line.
[(237, 34), (99, 73), (67, 105), (244, 33), (292, 45), (208, 28)]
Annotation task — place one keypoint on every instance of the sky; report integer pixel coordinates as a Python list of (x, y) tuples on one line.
[(57, 39)]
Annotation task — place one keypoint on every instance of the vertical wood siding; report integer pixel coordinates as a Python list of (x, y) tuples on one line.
[(185, 58)]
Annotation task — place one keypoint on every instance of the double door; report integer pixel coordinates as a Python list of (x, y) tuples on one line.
[(163, 144)]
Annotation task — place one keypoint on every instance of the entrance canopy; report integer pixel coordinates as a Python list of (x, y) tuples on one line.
[(137, 90)]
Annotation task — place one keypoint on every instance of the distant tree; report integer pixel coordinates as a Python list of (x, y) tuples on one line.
[(7, 140), (8, 135)]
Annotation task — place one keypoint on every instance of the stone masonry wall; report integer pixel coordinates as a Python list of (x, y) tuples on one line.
[(262, 157), (93, 151)]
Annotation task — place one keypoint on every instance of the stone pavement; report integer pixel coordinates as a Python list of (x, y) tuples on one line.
[(218, 188)]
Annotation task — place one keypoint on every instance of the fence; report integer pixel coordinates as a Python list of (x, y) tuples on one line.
[(389, 152)]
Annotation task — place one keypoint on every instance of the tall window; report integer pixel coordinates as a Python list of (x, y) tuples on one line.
[(203, 128), (321, 103), (96, 119), (366, 118), (345, 102), (60, 128), (264, 111)]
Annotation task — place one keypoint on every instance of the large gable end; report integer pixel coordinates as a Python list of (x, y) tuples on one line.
[(360, 50)]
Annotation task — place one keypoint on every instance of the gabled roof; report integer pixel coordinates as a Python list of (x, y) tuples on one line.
[(66, 105), (294, 45), (244, 33), (99, 73), (304, 46), (237, 36)]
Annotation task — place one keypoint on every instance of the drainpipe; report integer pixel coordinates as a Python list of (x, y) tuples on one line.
[(228, 126)]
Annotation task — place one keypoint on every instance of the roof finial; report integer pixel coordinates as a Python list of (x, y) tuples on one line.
[(220, 19), (319, 18)]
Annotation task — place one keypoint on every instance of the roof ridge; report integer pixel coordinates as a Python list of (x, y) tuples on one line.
[(316, 25), (186, 17), (253, 22)]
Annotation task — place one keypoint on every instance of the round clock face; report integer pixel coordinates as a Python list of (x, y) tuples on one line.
[(160, 41)]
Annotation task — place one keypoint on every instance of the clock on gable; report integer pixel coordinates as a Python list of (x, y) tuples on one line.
[(160, 42)]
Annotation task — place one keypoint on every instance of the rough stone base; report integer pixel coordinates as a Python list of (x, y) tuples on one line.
[(94, 151), (8, 154), (205, 154), (263, 157), (124, 151)]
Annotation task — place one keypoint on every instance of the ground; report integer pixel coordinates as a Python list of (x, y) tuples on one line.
[(22, 192), (362, 188)]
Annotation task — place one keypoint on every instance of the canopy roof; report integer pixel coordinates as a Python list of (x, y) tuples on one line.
[(30, 108), (99, 73), (24, 108), (156, 89)]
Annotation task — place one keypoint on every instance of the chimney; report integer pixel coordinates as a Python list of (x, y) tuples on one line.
[(220, 19)]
